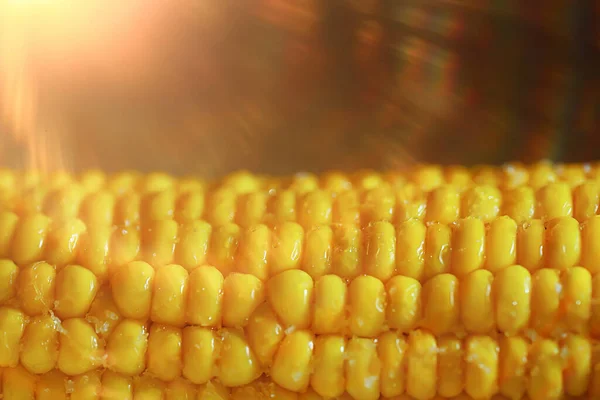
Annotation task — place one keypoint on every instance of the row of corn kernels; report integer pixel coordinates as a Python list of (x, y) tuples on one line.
[(18, 384), (426, 177), (419, 364), (412, 248), (512, 301), (444, 204)]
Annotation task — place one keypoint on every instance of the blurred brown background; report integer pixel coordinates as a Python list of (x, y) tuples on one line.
[(278, 86)]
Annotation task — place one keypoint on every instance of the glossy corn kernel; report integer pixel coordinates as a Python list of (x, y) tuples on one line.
[(39, 345), (126, 348), (290, 293), (12, 326), (81, 350), (169, 295), (164, 352), (76, 288), (132, 286), (199, 354)]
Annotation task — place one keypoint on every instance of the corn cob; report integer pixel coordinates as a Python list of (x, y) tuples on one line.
[(476, 307)]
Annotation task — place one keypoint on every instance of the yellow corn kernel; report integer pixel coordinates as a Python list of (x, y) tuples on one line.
[(155, 206), (127, 210), (404, 307), (512, 290), (116, 387), (513, 361), (481, 367), (438, 251), (530, 244), (428, 177), (378, 205), (103, 314), (264, 333), (578, 352), (572, 174), (554, 201), (39, 346), (441, 304), (590, 244), (421, 365), (312, 395), (62, 242), (519, 204), (287, 244), (501, 244), (12, 326), (443, 205), (451, 372), (125, 245), (132, 289), (213, 390), (541, 173), (180, 389), (347, 255), (330, 296), (242, 182), (335, 181), (346, 208), (51, 386), (8, 226), (199, 354), (237, 363), (291, 367), (8, 280), (242, 293), (477, 312), (546, 377), (366, 179), (123, 181), (33, 200), (380, 250), (468, 246), (576, 299), (410, 249), (391, 349), (595, 318), (63, 202), (314, 209), (36, 288), (126, 348), (290, 293), (18, 384), (458, 175), (158, 242), (367, 304), (328, 378), (164, 352), (223, 247), (76, 288), (80, 348), (486, 175), (482, 202), (282, 206), (221, 207), (585, 201), (148, 388), (546, 293), (251, 209), (317, 252), (363, 369), (169, 295), (98, 208), (563, 243), (192, 247), (93, 250), (514, 175), (205, 296), (29, 239), (190, 205), (253, 251), (155, 182)]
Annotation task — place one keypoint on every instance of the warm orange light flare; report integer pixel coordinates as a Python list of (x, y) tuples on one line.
[(42, 39)]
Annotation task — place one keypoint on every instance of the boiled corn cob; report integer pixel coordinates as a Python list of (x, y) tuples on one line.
[(456, 301)]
